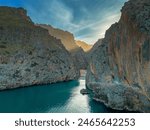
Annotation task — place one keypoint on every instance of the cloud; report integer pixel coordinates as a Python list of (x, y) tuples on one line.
[(97, 28), (60, 12), (52, 12), (86, 19)]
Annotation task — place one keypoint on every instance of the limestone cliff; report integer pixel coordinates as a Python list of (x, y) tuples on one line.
[(119, 71), (28, 54), (68, 41)]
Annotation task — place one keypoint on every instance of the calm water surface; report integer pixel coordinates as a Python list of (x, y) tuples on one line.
[(59, 98)]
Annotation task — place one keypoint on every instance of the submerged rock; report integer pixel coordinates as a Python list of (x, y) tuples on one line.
[(28, 54), (119, 70)]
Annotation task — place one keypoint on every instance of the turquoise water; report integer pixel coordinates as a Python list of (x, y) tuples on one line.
[(58, 98)]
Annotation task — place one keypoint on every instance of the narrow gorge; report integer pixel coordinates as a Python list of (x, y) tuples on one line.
[(48, 66)]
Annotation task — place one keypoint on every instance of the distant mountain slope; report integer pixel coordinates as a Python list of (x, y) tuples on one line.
[(86, 47), (69, 43), (93, 49), (67, 38), (28, 54)]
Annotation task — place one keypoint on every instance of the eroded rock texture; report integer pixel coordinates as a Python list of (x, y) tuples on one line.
[(119, 71), (28, 54)]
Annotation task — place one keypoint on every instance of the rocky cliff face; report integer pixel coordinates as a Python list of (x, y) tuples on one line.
[(28, 54), (119, 71), (69, 43)]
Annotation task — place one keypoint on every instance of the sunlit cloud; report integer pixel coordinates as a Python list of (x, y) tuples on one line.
[(97, 29)]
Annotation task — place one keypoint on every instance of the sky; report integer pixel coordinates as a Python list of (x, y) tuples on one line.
[(86, 19)]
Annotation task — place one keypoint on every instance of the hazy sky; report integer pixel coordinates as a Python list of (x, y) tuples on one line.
[(86, 19)]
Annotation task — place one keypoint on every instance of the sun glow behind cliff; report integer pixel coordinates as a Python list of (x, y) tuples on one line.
[(86, 19)]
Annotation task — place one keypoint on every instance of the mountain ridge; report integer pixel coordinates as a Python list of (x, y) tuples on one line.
[(67, 39)]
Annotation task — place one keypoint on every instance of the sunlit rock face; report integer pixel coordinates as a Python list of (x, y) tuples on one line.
[(119, 70), (67, 39), (86, 47), (28, 54)]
